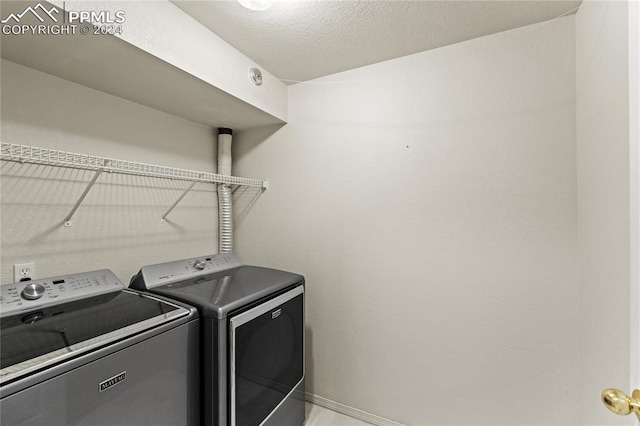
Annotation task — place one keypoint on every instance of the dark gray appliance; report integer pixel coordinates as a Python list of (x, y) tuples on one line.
[(81, 349), (252, 322)]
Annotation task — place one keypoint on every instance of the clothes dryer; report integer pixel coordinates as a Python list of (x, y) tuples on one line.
[(252, 336)]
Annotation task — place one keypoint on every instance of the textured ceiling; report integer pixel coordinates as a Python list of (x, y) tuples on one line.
[(303, 39)]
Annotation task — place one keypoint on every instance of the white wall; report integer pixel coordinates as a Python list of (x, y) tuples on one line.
[(603, 204), (118, 225), (430, 201)]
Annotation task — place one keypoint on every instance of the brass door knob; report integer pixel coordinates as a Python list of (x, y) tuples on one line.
[(619, 403)]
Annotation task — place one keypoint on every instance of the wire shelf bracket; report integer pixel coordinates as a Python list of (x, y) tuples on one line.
[(173, 206), (53, 157), (67, 220)]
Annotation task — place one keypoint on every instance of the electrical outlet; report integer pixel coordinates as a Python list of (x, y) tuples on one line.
[(24, 270)]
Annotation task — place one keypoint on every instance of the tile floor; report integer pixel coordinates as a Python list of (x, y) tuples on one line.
[(320, 416)]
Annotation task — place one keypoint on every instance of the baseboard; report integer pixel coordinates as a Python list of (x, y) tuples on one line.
[(350, 411)]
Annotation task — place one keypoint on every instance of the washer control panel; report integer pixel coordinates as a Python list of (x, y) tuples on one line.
[(165, 273), (28, 295)]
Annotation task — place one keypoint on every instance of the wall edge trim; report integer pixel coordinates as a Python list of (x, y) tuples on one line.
[(350, 411)]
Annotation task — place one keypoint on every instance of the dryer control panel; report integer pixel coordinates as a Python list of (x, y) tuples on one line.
[(35, 294), (165, 273)]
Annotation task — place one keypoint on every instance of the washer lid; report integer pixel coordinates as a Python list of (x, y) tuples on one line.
[(36, 339)]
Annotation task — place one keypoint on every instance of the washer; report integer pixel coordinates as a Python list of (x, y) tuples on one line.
[(252, 322), (80, 349)]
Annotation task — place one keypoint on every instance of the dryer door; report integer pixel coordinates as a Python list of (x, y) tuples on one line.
[(267, 361)]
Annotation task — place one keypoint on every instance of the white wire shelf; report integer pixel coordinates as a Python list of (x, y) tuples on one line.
[(53, 157)]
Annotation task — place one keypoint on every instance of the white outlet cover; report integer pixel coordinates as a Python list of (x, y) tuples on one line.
[(24, 270)]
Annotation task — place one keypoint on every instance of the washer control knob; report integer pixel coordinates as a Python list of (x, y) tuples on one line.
[(33, 292), (199, 264)]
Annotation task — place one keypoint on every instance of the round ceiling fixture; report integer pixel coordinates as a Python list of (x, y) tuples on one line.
[(256, 4), (255, 75)]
